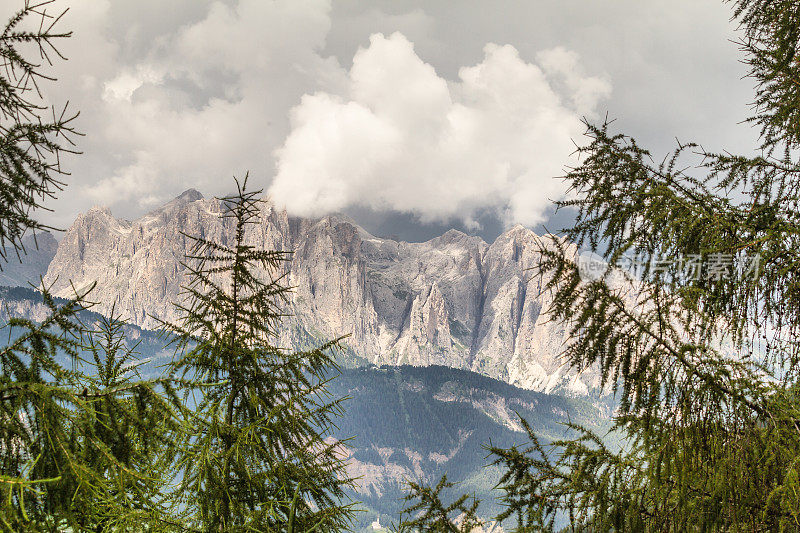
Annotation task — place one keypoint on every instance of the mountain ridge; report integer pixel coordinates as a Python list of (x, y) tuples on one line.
[(453, 300), (26, 267)]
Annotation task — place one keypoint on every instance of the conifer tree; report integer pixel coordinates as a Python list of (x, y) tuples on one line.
[(80, 437), (33, 135), (127, 426), (255, 457), (425, 511), (704, 361)]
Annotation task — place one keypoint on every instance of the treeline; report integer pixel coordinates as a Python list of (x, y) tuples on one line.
[(231, 437)]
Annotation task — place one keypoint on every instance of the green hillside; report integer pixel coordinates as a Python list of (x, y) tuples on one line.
[(403, 423), (420, 422)]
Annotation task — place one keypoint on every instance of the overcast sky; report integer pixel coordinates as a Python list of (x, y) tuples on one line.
[(411, 116)]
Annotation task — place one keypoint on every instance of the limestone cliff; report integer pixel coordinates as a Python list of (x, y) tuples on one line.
[(454, 300)]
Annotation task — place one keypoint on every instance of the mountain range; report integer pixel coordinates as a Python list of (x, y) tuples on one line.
[(454, 300)]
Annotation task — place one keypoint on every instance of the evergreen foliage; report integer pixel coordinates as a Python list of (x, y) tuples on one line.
[(33, 135), (706, 365), (254, 455), (78, 441), (426, 512)]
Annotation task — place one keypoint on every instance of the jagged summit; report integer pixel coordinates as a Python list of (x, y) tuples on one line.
[(454, 236), (517, 231), (100, 209), (186, 197), (190, 195), (340, 218), (454, 300)]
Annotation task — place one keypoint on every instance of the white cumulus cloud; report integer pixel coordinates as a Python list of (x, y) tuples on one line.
[(402, 137), (183, 97)]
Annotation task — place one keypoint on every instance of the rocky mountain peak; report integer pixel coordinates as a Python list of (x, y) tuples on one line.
[(42, 241), (100, 213), (454, 300), (454, 237), (189, 195)]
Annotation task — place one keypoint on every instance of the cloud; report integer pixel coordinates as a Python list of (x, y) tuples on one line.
[(207, 101), (183, 96), (185, 93), (403, 138)]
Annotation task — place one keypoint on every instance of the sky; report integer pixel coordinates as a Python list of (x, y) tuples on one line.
[(411, 117)]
